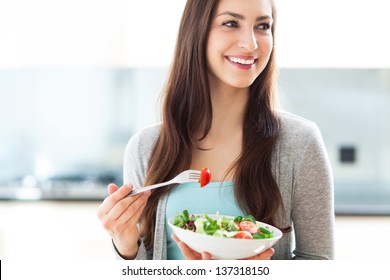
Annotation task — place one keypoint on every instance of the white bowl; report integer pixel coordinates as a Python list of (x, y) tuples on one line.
[(225, 248)]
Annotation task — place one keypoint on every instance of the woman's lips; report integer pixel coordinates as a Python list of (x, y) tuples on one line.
[(242, 62)]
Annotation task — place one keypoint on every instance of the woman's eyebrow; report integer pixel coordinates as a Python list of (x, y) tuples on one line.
[(241, 17)]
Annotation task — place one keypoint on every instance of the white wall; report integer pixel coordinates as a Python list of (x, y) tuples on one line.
[(333, 33), (132, 33), (61, 33)]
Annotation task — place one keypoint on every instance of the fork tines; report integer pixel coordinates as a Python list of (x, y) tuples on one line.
[(194, 176)]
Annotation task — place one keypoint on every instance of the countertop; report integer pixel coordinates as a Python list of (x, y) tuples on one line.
[(52, 229)]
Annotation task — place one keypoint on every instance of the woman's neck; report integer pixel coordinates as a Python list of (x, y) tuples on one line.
[(228, 108), (222, 145)]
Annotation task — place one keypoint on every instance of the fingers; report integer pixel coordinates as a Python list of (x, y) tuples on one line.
[(119, 210), (206, 256), (127, 211), (175, 238), (122, 205), (116, 195), (188, 252), (112, 188), (267, 254)]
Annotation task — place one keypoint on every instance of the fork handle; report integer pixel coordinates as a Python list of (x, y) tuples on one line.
[(151, 187)]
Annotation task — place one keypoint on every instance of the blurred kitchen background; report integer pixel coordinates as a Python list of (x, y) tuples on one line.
[(79, 78)]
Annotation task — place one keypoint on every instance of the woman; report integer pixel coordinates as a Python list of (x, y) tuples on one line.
[(219, 112)]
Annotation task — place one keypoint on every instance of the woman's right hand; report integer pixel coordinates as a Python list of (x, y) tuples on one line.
[(119, 215)]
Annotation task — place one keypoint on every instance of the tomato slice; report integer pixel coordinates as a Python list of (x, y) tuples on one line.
[(205, 177), (248, 226), (243, 235)]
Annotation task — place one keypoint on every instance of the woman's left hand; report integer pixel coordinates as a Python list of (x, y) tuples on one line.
[(193, 255), (188, 252)]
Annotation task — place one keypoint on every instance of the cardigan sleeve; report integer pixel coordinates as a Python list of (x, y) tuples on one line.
[(135, 163), (141, 255), (313, 201)]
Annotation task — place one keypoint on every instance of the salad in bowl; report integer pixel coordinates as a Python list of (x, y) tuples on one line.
[(224, 237)]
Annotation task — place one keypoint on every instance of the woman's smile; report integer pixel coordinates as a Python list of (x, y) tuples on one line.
[(241, 62)]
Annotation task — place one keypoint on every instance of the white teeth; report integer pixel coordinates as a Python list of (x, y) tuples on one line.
[(241, 61)]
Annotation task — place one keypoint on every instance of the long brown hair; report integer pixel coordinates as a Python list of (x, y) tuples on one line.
[(187, 109)]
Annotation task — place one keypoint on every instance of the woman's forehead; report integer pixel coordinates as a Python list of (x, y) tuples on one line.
[(253, 8)]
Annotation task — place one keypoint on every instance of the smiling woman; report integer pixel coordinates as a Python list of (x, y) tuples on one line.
[(244, 42), (219, 111)]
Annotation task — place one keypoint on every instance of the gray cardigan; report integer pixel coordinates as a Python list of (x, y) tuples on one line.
[(302, 171)]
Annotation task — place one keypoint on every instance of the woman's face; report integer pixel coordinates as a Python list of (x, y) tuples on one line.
[(240, 42)]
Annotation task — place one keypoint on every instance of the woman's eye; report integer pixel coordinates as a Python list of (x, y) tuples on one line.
[(264, 26), (232, 24)]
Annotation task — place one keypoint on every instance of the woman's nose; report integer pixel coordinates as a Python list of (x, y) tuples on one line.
[(247, 40)]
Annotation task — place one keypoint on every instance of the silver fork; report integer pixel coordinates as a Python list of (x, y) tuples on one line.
[(187, 176)]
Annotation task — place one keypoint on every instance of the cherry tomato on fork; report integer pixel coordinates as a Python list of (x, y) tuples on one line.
[(205, 177)]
